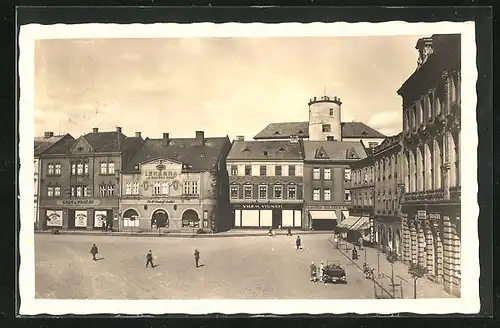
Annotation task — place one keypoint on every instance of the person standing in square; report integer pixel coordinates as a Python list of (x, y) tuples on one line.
[(149, 259), (94, 251), (298, 242), (196, 257)]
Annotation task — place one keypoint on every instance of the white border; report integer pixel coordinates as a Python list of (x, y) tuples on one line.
[(468, 303)]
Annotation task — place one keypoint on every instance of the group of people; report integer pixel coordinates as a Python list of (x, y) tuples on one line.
[(317, 273), (288, 231), (149, 256)]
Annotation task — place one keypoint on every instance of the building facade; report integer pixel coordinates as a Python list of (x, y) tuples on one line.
[(326, 166), (79, 180), (431, 160), (175, 184), (41, 145), (266, 184), (387, 195), (361, 185)]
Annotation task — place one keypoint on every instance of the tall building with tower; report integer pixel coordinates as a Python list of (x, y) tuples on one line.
[(325, 119)]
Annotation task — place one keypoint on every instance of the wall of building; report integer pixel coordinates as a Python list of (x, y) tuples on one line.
[(366, 141), (335, 183), (270, 167)]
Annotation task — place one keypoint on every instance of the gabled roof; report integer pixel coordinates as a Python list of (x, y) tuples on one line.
[(53, 145), (184, 150), (102, 142), (301, 129), (333, 150), (265, 150)]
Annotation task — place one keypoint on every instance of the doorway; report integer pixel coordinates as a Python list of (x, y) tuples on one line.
[(277, 219), (71, 219)]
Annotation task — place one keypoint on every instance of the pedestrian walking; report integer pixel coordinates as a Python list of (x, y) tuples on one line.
[(314, 272), (360, 243), (298, 242), (289, 233), (197, 257), (149, 259), (321, 272), (94, 251), (103, 225)]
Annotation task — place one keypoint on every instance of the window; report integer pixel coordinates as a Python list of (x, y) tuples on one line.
[(111, 168), (57, 191), (278, 192), (111, 190), (50, 169), (331, 111), (347, 174), (191, 188), (104, 168), (164, 188), (86, 191), (347, 195), (327, 194), (372, 144), (248, 191), (248, 170), (86, 168), (128, 188), (79, 191), (292, 192), (73, 169), (291, 170), (262, 192), (50, 191), (263, 170), (135, 188), (102, 190), (156, 188), (72, 191), (316, 194), (234, 170), (79, 169), (327, 174), (58, 169), (316, 173), (277, 170), (234, 192), (326, 128)]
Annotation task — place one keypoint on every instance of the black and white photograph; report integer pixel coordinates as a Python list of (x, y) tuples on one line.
[(248, 168)]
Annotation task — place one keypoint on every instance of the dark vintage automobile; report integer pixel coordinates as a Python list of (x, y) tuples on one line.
[(334, 273)]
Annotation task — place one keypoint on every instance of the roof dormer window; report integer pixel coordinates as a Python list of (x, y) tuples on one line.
[(276, 133), (246, 149), (265, 153)]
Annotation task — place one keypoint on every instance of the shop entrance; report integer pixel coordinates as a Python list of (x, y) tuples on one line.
[(191, 219), (159, 219), (71, 219), (277, 219), (324, 225)]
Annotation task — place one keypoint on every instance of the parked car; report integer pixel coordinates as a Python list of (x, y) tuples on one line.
[(334, 273)]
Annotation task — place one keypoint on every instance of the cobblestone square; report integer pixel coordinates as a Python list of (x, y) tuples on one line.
[(233, 267)]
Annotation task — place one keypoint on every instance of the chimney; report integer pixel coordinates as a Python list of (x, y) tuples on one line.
[(95, 130), (138, 134), (119, 129), (48, 134), (200, 137), (166, 137), (240, 138)]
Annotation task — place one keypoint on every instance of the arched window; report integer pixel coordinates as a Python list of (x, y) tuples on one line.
[(420, 106), (452, 151), (428, 185), (428, 106), (405, 121), (453, 88), (437, 105), (420, 170), (438, 162), (413, 171)]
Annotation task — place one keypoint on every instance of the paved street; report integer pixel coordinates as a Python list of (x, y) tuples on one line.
[(241, 267)]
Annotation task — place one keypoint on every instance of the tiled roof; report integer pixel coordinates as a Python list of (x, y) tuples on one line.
[(333, 150), (265, 150), (106, 141), (42, 144), (301, 129), (185, 150), (61, 146), (388, 142)]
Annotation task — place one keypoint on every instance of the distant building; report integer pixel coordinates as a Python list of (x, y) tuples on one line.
[(431, 160), (326, 167), (325, 115), (41, 145), (266, 184), (176, 183), (80, 179)]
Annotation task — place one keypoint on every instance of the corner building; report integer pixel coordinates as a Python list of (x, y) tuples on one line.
[(431, 160), (266, 184), (80, 179), (176, 184)]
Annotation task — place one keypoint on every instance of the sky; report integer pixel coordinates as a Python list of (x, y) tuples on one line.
[(223, 86)]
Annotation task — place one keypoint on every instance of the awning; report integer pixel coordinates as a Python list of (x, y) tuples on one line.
[(362, 224), (347, 223), (323, 215), (345, 214)]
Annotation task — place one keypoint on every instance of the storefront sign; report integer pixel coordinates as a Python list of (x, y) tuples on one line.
[(54, 218), (160, 174), (327, 207), (80, 219), (261, 206), (421, 214), (160, 201), (434, 216), (99, 218), (79, 202)]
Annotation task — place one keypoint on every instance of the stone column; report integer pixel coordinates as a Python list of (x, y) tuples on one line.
[(414, 242), (448, 260), (406, 241), (421, 245), (429, 249)]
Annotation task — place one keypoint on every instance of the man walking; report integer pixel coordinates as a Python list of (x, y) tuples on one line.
[(149, 259), (196, 257), (298, 242), (289, 232), (94, 251)]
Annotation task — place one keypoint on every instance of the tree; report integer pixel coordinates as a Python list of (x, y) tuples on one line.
[(417, 271), (391, 258)]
